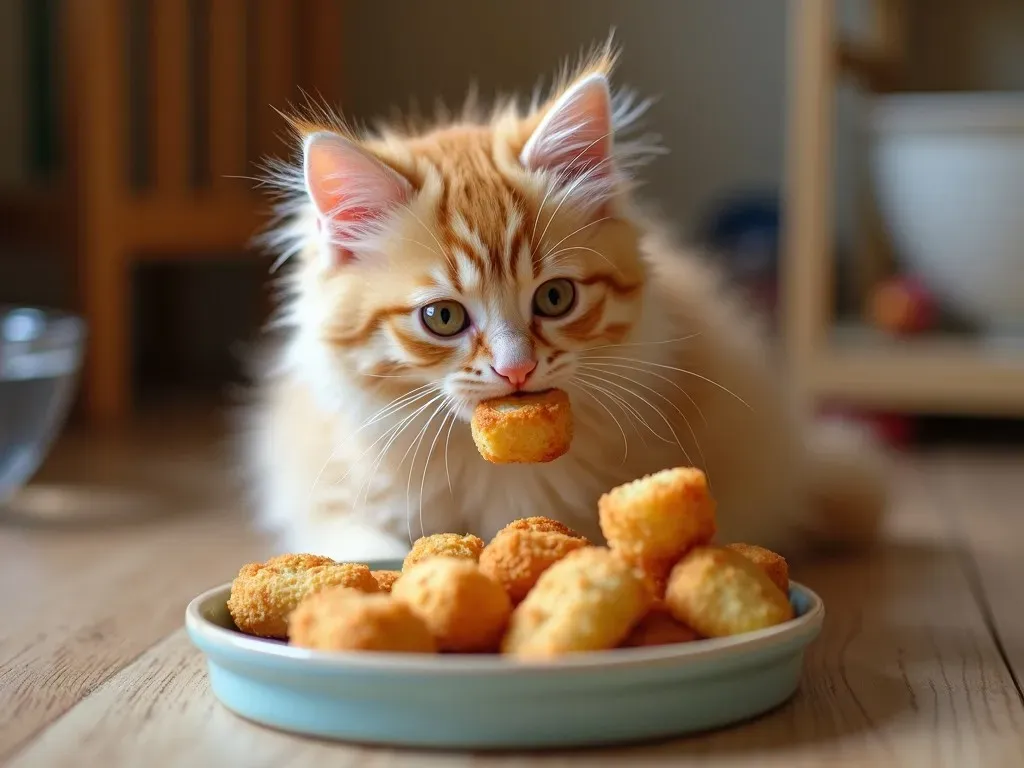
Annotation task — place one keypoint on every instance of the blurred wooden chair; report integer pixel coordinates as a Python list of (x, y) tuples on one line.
[(164, 101)]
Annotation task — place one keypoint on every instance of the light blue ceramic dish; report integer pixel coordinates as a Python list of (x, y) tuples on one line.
[(491, 702)]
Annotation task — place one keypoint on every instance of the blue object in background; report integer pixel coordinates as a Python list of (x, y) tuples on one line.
[(743, 232)]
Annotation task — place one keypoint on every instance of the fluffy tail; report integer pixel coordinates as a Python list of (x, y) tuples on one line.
[(848, 484)]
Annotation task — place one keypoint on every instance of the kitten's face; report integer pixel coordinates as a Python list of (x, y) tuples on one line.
[(479, 260)]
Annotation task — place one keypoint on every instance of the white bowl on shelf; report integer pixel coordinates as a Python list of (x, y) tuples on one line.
[(949, 177)]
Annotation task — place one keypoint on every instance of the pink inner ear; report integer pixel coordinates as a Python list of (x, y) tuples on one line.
[(575, 136), (352, 191)]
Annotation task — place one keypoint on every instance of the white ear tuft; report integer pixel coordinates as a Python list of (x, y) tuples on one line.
[(353, 192), (574, 140)]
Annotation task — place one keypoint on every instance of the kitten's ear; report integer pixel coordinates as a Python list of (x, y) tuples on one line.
[(574, 139), (353, 192)]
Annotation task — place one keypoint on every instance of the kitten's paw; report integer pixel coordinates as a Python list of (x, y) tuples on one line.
[(848, 485)]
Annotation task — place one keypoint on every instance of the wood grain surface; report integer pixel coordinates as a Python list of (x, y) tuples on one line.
[(916, 665)]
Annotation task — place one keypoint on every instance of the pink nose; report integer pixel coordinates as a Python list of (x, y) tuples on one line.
[(516, 373)]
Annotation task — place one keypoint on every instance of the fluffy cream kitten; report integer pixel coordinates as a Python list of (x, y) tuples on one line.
[(432, 268)]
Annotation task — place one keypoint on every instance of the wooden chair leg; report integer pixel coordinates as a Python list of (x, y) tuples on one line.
[(106, 298)]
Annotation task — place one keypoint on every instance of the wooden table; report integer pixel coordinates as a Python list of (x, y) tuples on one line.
[(919, 662)]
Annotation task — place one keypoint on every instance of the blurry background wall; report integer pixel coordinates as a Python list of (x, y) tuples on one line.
[(718, 68)]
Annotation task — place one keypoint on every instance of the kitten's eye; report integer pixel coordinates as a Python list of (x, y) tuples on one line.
[(445, 318), (554, 298)]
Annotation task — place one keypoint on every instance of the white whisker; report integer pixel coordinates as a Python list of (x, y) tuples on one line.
[(667, 400), (644, 400), (426, 464), (418, 442), (584, 388), (397, 404), (646, 343), (656, 375), (625, 405), (447, 438), (671, 368), (380, 437), (395, 433)]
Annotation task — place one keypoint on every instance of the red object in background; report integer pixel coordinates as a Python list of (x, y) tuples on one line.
[(902, 305), (896, 430)]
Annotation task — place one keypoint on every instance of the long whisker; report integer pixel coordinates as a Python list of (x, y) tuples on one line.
[(624, 404), (418, 442), (426, 464), (647, 343), (656, 375), (671, 368), (395, 433), (323, 469), (584, 388), (355, 463), (667, 400), (637, 413), (617, 402), (397, 404), (447, 439)]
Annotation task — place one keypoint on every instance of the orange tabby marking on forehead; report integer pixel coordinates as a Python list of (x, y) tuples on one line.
[(475, 191)]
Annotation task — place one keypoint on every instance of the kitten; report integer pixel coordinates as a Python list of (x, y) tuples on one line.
[(436, 267)]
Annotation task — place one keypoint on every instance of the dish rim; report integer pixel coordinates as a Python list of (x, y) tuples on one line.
[(801, 628)]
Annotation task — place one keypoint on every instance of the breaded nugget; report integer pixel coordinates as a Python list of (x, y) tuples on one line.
[(344, 619), (465, 611), (719, 592), (263, 594), (517, 557), (385, 579), (775, 566), (523, 429), (467, 547), (542, 524), (659, 517), (587, 601), (659, 627), (655, 572)]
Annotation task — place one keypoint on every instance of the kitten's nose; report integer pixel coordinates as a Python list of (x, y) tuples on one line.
[(516, 373)]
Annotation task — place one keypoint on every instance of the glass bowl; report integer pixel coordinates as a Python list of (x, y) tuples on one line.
[(40, 358)]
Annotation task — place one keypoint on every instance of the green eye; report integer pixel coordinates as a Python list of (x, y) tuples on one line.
[(445, 318), (554, 298)]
